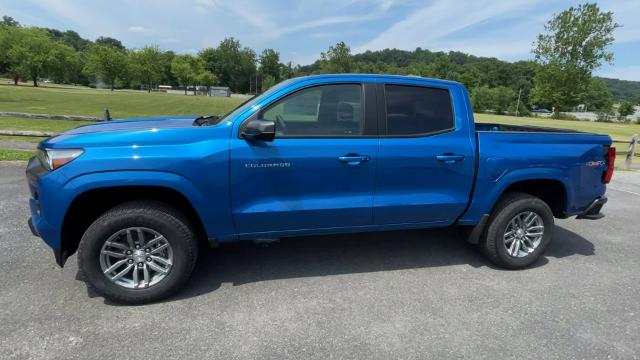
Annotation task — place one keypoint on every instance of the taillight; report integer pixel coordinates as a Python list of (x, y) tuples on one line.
[(611, 159)]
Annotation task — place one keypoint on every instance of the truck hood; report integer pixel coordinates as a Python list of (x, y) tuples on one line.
[(167, 122)]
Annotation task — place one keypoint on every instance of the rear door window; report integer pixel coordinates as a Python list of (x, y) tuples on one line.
[(415, 110)]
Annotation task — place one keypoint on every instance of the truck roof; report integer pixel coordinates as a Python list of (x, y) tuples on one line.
[(380, 76)]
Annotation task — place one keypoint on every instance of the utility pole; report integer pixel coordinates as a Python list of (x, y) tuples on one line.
[(518, 103)]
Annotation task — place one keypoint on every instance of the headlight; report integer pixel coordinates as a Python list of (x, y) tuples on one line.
[(54, 158)]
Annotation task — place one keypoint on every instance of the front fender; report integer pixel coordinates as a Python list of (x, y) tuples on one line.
[(56, 202)]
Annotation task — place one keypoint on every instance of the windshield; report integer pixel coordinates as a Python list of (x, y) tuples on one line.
[(254, 100)]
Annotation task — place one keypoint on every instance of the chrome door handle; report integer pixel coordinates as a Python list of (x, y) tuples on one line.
[(449, 158), (353, 159)]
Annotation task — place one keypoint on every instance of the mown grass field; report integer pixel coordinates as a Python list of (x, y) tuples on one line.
[(121, 104), (90, 102), (15, 155)]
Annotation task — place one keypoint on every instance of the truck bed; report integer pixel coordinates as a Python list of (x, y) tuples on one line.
[(489, 127)]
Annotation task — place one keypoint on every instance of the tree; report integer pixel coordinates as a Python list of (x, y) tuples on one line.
[(9, 21), (233, 65), (575, 43), (184, 68), (286, 71), (206, 78), (107, 62), (598, 97), (270, 63), (147, 65), (109, 41), (337, 59), (625, 109), (268, 82), (32, 53), (481, 99), (503, 97)]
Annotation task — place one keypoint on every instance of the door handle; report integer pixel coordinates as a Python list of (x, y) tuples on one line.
[(353, 159), (449, 158)]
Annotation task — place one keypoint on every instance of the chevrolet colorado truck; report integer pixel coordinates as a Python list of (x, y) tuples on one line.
[(313, 155)]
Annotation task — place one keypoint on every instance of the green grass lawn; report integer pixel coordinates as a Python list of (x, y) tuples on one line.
[(91, 102), (12, 123), (29, 139), (14, 155)]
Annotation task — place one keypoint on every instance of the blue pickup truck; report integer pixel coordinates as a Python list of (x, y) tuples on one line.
[(312, 155)]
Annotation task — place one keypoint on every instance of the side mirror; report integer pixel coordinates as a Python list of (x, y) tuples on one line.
[(264, 130)]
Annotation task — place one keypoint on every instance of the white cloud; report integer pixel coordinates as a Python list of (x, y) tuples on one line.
[(431, 25), (136, 29)]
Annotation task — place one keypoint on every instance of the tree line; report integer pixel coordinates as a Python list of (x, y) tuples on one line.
[(31, 53), (559, 78)]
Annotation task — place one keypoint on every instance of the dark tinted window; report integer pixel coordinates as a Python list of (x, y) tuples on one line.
[(413, 110), (321, 111)]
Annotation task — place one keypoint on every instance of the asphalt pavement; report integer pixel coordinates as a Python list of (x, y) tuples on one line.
[(396, 295)]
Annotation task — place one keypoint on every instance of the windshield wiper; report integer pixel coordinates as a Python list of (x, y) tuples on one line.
[(206, 120)]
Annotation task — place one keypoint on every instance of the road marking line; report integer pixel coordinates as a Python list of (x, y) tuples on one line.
[(627, 191)]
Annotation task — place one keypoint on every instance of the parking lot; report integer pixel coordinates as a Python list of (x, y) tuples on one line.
[(410, 294)]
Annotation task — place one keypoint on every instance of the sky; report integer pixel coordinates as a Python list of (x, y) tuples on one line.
[(300, 30)]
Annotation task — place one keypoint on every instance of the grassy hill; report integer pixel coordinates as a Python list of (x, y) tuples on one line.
[(624, 89)]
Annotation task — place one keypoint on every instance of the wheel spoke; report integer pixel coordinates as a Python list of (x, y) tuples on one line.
[(154, 241), (122, 273), (116, 265), (140, 236), (114, 254), (157, 268), (145, 273), (117, 245), (159, 248), (129, 239), (161, 260), (512, 247), (136, 282), (534, 233), (529, 219)]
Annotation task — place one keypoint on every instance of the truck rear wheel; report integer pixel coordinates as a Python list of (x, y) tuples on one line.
[(518, 232), (138, 252)]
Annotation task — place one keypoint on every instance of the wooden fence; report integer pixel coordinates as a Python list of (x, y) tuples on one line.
[(631, 152)]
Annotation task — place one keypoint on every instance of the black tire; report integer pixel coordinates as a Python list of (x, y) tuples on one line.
[(158, 216), (492, 243)]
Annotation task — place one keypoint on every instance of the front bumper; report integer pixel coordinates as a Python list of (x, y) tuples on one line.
[(592, 212), (38, 223)]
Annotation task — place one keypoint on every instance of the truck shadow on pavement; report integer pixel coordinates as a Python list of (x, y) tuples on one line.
[(247, 262)]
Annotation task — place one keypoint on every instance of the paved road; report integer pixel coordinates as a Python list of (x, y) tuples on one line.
[(413, 294)]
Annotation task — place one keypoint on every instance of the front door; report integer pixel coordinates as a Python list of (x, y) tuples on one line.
[(318, 172)]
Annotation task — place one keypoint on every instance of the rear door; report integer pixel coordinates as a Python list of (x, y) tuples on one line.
[(426, 156), (318, 172)]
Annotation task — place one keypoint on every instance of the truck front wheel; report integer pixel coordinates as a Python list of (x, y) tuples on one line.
[(138, 252), (518, 232)]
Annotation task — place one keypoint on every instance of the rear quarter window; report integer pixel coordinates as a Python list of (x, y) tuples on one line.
[(415, 110)]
